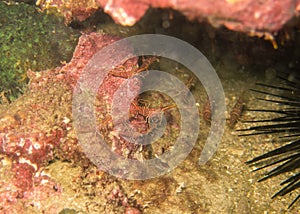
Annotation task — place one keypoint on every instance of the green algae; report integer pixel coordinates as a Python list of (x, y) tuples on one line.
[(32, 40)]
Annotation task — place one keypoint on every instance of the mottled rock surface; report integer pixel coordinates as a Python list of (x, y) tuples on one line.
[(239, 15)]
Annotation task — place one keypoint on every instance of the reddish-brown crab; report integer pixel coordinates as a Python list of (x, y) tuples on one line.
[(139, 115)]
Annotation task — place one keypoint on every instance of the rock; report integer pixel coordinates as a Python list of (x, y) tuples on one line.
[(37, 128), (249, 16)]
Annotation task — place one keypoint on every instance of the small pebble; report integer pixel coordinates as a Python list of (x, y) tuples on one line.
[(132, 210)]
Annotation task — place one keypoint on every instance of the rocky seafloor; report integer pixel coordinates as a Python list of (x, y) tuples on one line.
[(43, 169)]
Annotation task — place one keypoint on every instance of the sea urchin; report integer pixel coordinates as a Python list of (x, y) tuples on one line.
[(285, 124)]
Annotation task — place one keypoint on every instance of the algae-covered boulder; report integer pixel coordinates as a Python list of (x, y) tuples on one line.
[(32, 40)]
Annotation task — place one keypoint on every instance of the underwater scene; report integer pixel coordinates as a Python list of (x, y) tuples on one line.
[(137, 107)]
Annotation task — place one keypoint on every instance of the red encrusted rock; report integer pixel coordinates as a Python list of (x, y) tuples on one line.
[(239, 15), (37, 127), (24, 174)]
